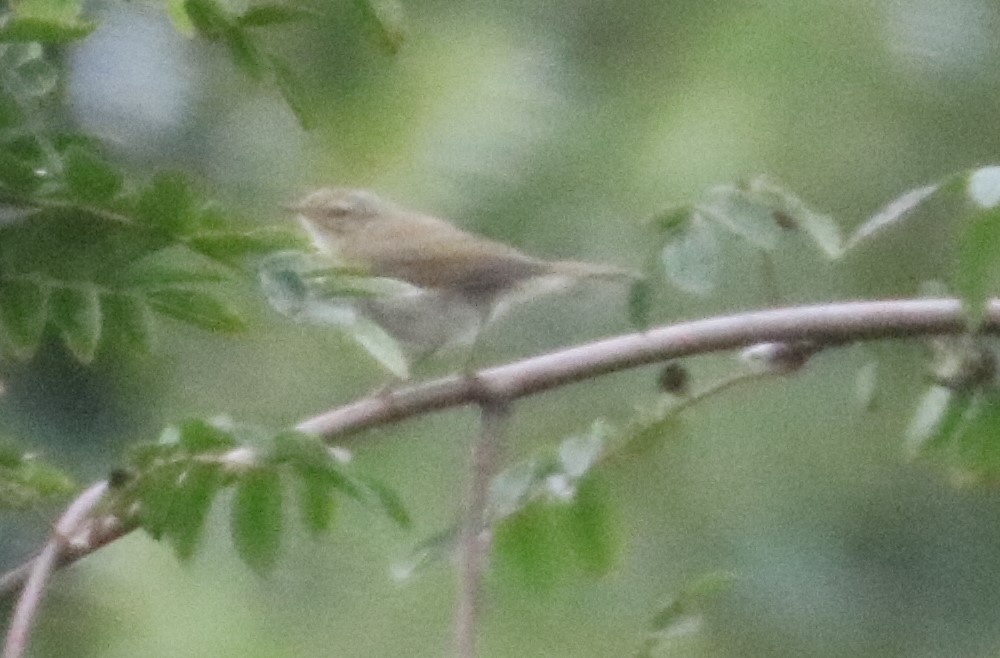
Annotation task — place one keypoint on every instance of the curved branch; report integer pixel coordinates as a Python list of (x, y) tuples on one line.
[(42, 566), (824, 324)]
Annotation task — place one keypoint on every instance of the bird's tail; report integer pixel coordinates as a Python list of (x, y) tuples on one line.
[(582, 270)]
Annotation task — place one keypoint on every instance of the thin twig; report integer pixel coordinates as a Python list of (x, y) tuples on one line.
[(34, 589), (473, 543)]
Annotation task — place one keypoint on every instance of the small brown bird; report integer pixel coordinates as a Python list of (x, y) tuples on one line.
[(460, 279)]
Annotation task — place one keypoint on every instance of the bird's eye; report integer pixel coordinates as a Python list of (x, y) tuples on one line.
[(338, 210)]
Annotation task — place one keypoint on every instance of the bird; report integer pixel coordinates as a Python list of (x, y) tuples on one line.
[(457, 281)]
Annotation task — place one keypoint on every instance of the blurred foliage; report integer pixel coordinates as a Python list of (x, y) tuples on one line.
[(587, 118)]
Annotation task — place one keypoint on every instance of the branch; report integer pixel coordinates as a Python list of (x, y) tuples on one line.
[(31, 598), (824, 324), (473, 545)]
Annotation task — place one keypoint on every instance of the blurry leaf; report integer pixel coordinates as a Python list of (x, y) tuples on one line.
[(285, 291), (984, 187), (76, 312), (966, 434), (272, 14), (380, 346), (90, 178), (823, 230), (157, 494), (518, 485), (977, 272), (226, 246), (937, 413), (35, 78), (167, 204), (16, 174), (683, 614), (45, 29), (529, 551), (215, 23), (672, 219), (578, 454), (192, 499), (243, 50), (433, 550), (23, 311), (316, 502), (256, 521), (692, 257), (197, 308), (293, 91), (389, 501), (25, 480), (179, 17), (172, 266), (385, 18), (894, 213), (198, 436), (866, 385), (591, 527), (640, 301), (207, 16), (128, 319), (740, 213)]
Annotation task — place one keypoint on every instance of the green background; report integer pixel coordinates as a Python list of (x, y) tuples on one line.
[(561, 127)]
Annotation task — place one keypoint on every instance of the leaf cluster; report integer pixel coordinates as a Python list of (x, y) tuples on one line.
[(173, 482)]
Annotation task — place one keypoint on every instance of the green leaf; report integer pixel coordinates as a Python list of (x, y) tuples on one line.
[(791, 210), (272, 14), (385, 20), (389, 501), (959, 430), (90, 178), (243, 50), (207, 16), (26, 481), (740, 213), (380, 346), (293, 91), (640, 301), (45, 29), (197, 308), (529, 551), (16, 174), (168, 204), (157, 495), (682, 614), (316, 501), (938, 413), (126, 319), (76, 312), (23, 311), (33, 79), (198, 436), (227, 246), (692, 257), (866, 385), (578, 454), (895, 212), (591, 527), (171, 266), (192, 500), (256, 520), (179, 17), (977, 271)]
